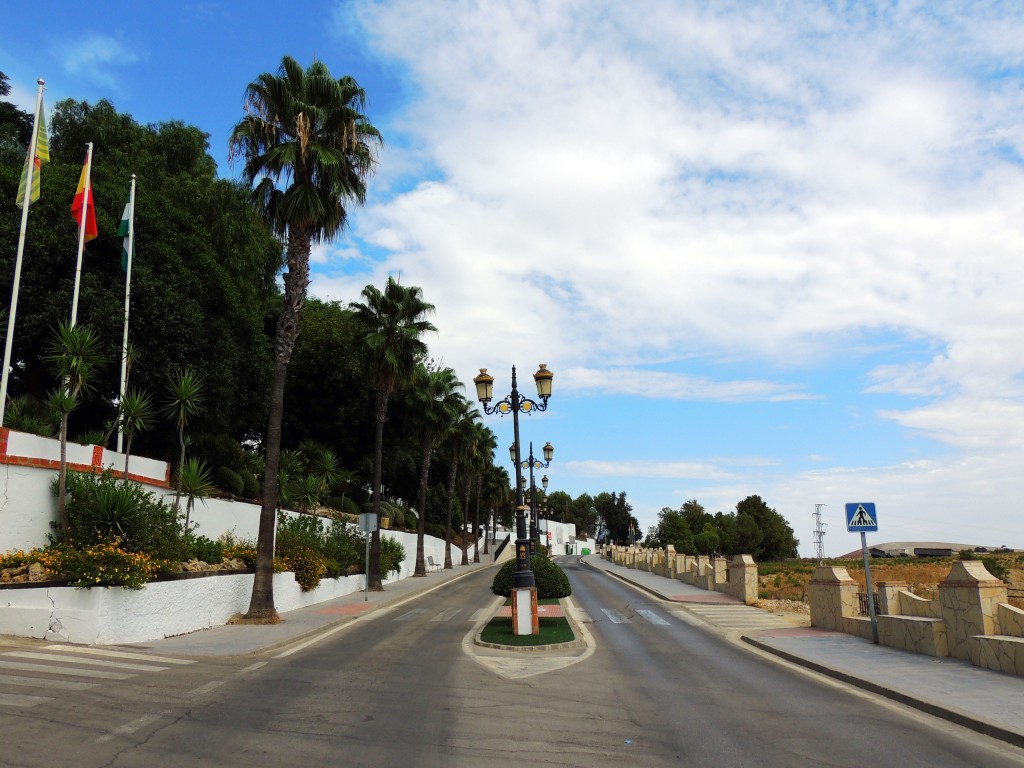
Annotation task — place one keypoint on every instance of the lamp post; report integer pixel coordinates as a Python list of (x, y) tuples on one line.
[(524, 585), (533, 463)]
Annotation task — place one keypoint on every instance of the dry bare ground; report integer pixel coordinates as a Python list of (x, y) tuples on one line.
[(786, 586)]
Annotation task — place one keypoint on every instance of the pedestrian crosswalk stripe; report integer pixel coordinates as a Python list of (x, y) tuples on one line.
[(615, 616), (45, 682), (79, 649), (652, 617), (479, 614), (64, 670), (14, 700), (81, 660), (447, 614), (409, 615)]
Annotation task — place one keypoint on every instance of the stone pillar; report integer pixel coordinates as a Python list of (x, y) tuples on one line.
[(889, 596), (743, 579), (969, 599), (670, 561), (833, 596), (720, 569)]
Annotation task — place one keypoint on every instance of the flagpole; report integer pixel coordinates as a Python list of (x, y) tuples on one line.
[(127, 300), (81, 233), (8, 345)]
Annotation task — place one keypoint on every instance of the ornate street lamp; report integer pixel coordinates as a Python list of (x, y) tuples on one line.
[(532, 463), (523, 579)]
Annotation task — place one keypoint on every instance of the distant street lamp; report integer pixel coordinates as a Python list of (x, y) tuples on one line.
[(532, 463), (524, 585)]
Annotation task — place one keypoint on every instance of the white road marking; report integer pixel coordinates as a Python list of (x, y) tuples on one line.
[(45, 682), (63, 670), (15, 700), (652, 617), (202, 690), (117, 654), (447, 615), (79, 660), (129, 728), (615, 616), (409, 615)]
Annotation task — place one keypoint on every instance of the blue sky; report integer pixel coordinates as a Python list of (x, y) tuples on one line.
[(765, 248)]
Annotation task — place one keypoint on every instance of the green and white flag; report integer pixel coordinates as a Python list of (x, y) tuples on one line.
[(125, 230)]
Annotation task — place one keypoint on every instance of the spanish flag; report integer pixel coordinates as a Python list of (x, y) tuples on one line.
[(83, 198)]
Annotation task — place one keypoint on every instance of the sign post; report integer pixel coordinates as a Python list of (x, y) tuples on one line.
[(861, 516), (367, 525)]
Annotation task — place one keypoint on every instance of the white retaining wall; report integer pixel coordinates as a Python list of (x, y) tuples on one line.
[(111, 615)]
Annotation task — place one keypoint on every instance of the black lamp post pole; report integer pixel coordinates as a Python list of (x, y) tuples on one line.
[(523, 577)]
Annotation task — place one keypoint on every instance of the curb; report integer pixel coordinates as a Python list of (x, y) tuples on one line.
[(571, 645)]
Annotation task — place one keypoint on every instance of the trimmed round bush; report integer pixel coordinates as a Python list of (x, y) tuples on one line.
[(230, 481), (552, 583)]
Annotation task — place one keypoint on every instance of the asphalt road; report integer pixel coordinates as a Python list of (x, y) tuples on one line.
[(407, 689)]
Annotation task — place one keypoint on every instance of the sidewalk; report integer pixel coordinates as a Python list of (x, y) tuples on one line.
[(308, 622), (982, 700)]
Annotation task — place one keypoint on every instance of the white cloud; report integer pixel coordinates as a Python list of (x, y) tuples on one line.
[(94, 57)]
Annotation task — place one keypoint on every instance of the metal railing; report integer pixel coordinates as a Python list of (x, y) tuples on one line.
[(862, 603)]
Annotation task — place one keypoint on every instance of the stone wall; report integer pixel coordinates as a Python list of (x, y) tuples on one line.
[(736, 577), (970, 620)]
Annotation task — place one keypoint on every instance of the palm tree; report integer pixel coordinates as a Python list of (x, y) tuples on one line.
[(136, 411), (458, 444), (75, 354), (393, 324), (484, 459), (184, 398), (307, 129), (436, 400)]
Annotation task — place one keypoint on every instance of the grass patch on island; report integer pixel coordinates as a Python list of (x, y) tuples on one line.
[(552, 630)]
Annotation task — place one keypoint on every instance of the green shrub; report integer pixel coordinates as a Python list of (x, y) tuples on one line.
[(392, 555), (345, 546), (102, 507), (397, 517), (207, 550), (306, 563), (229, 481), (250, 485), (99, 565), (434, 529), (307, 530), (552, 583), (968, 554), (996, 567)]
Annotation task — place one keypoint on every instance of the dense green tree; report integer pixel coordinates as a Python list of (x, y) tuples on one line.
[(774, 539), (307, 128), (188, 307), (458, 444), (616, 513), (673, 529)]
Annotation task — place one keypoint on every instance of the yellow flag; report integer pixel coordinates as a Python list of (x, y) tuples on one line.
[(35, 161)]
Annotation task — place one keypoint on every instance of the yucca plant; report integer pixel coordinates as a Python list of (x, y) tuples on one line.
[(136, 414), (184, 399), (195, 481)]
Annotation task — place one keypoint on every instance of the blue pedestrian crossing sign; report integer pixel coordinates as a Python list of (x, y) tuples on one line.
[(860, 516)]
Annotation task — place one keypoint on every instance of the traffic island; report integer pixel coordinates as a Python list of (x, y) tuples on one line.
[(556, 631)]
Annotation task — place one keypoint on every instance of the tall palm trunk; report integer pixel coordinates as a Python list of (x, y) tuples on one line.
[(261, 605), (476, 521), (465, 519), (448, 530), (375, 581), (421, 523)]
